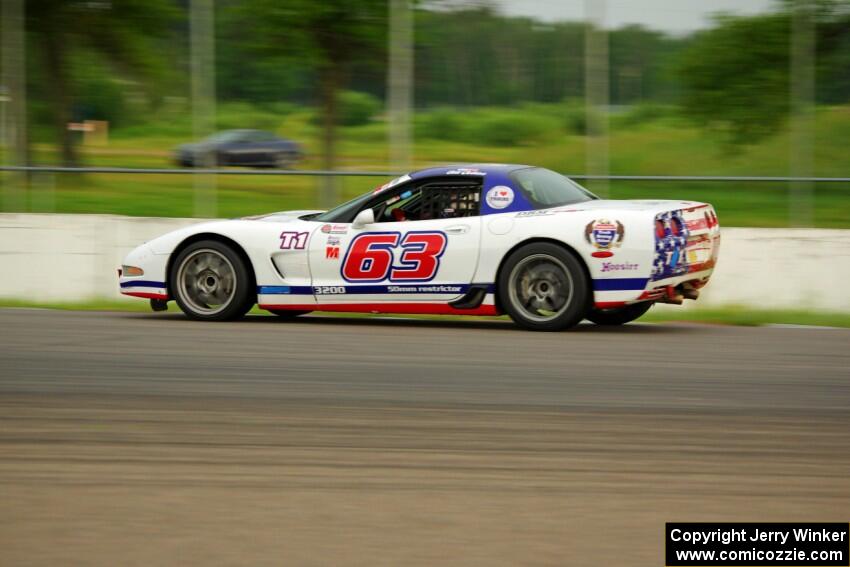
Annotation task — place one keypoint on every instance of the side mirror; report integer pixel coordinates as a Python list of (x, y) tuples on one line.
[(364, 217)]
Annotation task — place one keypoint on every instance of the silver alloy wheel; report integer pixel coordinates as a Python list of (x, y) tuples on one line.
[(541, 286), (206, 281)]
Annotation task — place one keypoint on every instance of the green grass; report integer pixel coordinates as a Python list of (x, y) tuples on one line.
[(741, 316), (660, 143), (744, 316)]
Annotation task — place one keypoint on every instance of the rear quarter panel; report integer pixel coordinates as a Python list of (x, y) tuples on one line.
[(616, 246)]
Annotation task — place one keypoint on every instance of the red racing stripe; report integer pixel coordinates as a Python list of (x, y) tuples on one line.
[(145, 294), (609, 304), (401, 308)]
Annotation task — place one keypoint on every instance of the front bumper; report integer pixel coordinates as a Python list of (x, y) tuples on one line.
[(152, 284)]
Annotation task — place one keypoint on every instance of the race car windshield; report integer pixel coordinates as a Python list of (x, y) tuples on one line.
[(547, 189), (346, 211)]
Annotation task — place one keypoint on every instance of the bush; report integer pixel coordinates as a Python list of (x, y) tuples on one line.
[(575, 120), (512, 129), (442, 124), (643, 113), (357, 109), (236, 115)]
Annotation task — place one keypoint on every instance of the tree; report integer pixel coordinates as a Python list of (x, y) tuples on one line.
[(331, 36), (121, 32), (736, 76)]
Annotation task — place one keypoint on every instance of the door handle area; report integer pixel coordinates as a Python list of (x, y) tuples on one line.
[(458, 229)]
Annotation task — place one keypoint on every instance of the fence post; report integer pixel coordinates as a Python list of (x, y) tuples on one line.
[(596, 93), (202, 51), (16, 150), (400, 83), (801, 143)]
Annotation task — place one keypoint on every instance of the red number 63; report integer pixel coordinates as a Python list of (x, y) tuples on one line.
[(370, 257)]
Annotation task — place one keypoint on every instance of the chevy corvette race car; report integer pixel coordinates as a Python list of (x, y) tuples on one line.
[(462, 240)]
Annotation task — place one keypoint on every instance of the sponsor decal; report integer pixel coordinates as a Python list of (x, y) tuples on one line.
[(500, 197), (540, 213), (602, 254), (334, 228), (293, 240), (393, 183), (329, 289), (369, 289), (425, 289), (465, 171), (332, 253), (619, 267), (604, 234)]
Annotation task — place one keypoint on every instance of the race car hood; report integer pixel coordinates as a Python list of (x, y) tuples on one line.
[(281, 216)]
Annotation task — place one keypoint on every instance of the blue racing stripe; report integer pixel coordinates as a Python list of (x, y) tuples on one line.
[(374, 289), (143, 283), (619, 284)]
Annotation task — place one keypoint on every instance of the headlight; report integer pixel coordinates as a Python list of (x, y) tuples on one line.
[(131, 271)]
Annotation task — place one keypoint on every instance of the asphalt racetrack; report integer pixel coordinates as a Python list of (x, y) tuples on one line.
[(148, 439)]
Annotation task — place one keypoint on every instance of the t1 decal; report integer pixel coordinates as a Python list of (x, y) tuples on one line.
[(370, 257), (293, 240)]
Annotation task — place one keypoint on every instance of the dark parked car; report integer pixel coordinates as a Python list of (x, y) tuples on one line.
[(249, 148)]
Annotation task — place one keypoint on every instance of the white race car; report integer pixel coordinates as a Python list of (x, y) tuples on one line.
[(463, 240)]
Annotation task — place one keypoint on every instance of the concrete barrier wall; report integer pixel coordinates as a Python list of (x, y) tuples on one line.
[(75, 258)]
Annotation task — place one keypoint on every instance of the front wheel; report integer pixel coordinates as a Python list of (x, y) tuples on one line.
[(618, 315), (543, 287), (211, 282)]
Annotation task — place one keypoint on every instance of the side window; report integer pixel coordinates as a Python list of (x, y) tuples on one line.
[(402, 206), (431, 199)]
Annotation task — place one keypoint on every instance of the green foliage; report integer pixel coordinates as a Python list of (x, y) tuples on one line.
[(125, 37), (237, 115), (489, 126), (442, 124), (735, 76), (644, 113), (511, 129), (575, 117), (357, 109)]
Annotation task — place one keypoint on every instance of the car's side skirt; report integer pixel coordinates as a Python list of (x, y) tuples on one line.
[(385, 307)]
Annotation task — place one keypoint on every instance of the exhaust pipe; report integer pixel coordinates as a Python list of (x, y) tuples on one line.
[(672, 296), (690, 293)]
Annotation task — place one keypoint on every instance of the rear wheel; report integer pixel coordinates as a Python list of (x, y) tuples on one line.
[(543, 287), (618, 315), (211, 282)]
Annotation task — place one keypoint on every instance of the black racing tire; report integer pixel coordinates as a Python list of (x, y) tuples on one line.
[(210, 281), (287, 313), (544, 287), (618, 315)]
